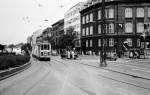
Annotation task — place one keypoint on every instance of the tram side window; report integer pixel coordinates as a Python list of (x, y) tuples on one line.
[(46, 47), (41, 47)]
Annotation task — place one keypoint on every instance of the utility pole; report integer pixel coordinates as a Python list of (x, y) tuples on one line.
[(103, 42), (146, 29)]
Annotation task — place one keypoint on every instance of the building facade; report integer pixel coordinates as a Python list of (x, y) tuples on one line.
[(34, 38), (29, 39), (57, 32), (72, 19), (124, 22), (47, 33)]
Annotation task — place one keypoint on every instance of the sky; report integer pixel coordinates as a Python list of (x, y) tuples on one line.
[(20, 18)]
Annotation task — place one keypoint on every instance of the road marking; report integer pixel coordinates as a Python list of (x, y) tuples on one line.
[(140, 70)]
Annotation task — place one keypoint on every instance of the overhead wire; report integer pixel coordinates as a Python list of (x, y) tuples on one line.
[(40, 7), (42, 13)]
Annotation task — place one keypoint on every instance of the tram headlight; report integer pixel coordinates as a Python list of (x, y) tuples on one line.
[(41, 53)]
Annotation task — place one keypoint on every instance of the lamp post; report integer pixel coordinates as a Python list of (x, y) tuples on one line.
[(146, 29), (103, 42)]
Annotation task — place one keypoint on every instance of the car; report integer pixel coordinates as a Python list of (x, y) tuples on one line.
[(63, 54), (54, 53), (75, 55), (111, 57)]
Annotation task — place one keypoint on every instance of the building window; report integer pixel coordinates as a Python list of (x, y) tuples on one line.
[(128, 28), (91, 30), (140, 12), (91, 17), (87, 18), (111, 42), (128, 12), (138, 43), (87, 31), (91, 43), (149, 12), (83, 20), (111, 28), (129, 40), (99, 29), (106, 28), (105, 42), (106, 13), (111, 13), (99, 42), (140, 27), (87, 43), (99, 14), (142, 44), (83, 32)]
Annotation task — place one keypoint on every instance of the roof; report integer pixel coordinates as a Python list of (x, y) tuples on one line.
[(112, 2), (76, 5), (59, 21)]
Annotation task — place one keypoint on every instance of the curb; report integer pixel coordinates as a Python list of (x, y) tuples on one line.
[(14, 71), (125, 73), (118, 71)]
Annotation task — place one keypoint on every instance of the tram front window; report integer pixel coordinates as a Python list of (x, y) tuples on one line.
[(46, 47), (41, 47)]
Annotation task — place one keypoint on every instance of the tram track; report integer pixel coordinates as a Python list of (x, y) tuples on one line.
[(114, 79), (24, 81), (24, 77), (134, 76), (38, 82), (76, 85)]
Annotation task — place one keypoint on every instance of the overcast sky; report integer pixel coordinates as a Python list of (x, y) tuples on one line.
[(20, 18)]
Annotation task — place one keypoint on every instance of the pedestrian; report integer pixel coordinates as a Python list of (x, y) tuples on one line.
[(134, 54), (131, 54), (82, 53), (73, 54), (68, 54), (137, 54)]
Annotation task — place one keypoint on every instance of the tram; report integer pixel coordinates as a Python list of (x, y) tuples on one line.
[(42, 50)]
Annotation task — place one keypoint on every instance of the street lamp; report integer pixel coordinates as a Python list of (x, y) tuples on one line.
[(146, 29), (103, 43)]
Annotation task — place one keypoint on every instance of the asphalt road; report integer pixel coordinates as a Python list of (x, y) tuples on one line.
[(67, 77)]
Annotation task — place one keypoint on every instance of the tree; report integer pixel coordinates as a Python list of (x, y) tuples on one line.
[(68, 39), (70, 30), (2, 47), (11, 46), (27, 48), (51, 41)]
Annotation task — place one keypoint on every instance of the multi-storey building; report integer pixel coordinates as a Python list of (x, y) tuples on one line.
[(72, 19), (47, 33), (57, 31), (34, 38), (124, 22), (29, 39)]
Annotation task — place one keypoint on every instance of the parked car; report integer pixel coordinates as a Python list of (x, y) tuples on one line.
[(63, 53), (54, 53), (75, 55), (111, 57)]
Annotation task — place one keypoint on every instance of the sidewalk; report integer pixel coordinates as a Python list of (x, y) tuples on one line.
[(122, 65)]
